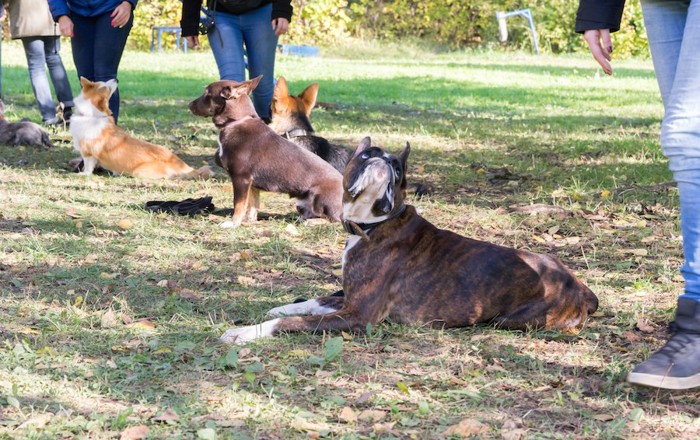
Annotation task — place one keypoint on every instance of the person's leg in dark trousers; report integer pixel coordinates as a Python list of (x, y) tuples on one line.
[(97, 50), (59, 78)]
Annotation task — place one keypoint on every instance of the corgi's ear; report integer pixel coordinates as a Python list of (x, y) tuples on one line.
[(308, 96), (364, 144), (111, 85), (85, 83)]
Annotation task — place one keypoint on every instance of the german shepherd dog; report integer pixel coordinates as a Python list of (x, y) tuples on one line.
[(291, 119)]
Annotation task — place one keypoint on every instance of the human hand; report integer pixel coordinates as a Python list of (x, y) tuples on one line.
[(280, 26), (192, 41), (121, 14), (65, 26), (600, 45)]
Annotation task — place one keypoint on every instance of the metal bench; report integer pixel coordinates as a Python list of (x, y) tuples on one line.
[(157, 34)]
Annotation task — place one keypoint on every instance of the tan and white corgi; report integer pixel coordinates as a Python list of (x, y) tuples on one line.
[(101, 142)]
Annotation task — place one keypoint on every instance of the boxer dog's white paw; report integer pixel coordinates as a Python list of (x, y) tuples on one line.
[(243, 335), (310, 307), (228, 224)]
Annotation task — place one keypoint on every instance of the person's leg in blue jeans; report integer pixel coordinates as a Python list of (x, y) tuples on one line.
[(97, 50), (252, 30), (261, 46), (36, 61), (59, 78), (226, 41), (673, 29)]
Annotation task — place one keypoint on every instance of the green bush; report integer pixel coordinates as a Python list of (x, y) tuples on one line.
[(472, 23), (151, 13)]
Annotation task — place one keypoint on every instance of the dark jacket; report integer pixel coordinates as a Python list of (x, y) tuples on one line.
[(191, 8), (599, 14), (86, 8)]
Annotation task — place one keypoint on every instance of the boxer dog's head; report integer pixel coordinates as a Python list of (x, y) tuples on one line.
[(226, 101), (374, 184)]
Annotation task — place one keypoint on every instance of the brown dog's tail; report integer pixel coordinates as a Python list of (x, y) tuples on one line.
[(203, 173)]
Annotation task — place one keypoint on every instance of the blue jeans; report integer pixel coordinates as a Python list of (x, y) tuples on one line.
[(673, 29), (97, 50), (42, 52), (254, 31)]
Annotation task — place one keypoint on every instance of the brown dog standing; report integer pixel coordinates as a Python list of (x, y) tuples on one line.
[(399, 266), (256, 158)]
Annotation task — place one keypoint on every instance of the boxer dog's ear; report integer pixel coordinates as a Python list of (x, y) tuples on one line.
[(364, 145), (403, 160), (404, 157)]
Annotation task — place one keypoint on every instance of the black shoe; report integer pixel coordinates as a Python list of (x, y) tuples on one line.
[(67, 113), (676, 366)]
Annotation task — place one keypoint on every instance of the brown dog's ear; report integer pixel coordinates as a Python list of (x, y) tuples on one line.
[(364, 144), (404, 158), (229, 92), (252, 84), (308, 97)]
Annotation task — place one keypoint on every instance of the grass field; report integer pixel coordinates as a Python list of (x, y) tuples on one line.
[(110, 315)]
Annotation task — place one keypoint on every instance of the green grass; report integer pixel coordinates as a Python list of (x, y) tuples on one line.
[(105, 328)]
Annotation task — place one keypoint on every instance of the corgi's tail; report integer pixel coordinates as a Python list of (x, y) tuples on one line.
[(203, 173)]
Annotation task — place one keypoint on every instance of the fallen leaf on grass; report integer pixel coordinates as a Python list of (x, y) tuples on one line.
[(72, 213), (109, 319), (635, 252), (631, 336), (305, 425), (363, 398), (134, 433), (467, 427), (371, 415), (644, 326), (604, 417), (125, 224), (246, 281), (143, 324), (188, 294), (348, 415), (37, 421), (170, 284), (382, 428), (513, 430), (292, 230), (167, 416)]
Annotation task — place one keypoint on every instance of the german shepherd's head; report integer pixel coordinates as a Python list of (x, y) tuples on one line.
[(291, 112)]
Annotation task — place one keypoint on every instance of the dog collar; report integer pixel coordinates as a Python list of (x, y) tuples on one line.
[(365, 228), (297, 132)]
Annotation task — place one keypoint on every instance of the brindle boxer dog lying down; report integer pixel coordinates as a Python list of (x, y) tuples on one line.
[(397, 265)]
